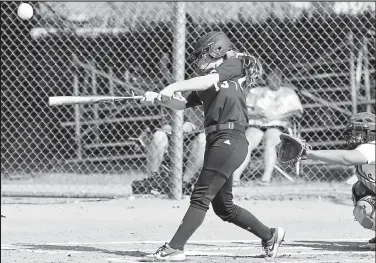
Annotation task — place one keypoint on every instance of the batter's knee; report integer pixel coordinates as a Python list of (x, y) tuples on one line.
[(200, 201), (226, 212), (206, 188)]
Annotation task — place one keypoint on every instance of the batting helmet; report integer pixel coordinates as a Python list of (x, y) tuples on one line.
[(210, 47)]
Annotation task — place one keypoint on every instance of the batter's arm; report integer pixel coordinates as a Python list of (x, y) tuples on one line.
[(230, 68), (342, 157), (180, 103), (176, 102), (200, 83)]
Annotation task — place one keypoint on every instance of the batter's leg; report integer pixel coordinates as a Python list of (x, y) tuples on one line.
[(223, 156), (224, 208)]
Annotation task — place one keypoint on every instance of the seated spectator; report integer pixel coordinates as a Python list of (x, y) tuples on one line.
[(271, 110), (157, 145)]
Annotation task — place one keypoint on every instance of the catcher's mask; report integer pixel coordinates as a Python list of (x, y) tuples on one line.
[(209, 48), (360, 129)]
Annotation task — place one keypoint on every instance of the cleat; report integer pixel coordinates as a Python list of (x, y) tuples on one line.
[(271, 247), (167, 253), (372, 244)]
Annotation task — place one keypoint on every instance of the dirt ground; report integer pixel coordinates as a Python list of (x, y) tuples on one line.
[(125, 230)]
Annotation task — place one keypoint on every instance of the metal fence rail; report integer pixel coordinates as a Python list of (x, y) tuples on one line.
[(326, 51)]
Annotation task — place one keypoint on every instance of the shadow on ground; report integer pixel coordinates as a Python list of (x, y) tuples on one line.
[(138, 255), (342, 201), (132, 253)]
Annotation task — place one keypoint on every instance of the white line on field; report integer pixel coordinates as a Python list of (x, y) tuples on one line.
[(120, 260), (202, 241), (8, 247), (123, 260), (203, 253), (326, 261)]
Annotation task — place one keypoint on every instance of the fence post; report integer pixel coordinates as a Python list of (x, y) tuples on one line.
[(178, 116)]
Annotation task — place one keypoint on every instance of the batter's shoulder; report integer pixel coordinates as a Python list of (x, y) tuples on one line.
[(230, 68)]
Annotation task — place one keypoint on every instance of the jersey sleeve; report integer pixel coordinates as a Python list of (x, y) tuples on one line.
[(229, 69), (193, 100), (368, 150)]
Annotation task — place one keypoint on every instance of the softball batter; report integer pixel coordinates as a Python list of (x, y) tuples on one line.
[(219, 89)]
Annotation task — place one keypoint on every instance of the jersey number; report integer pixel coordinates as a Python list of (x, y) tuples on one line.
[(225, 85)]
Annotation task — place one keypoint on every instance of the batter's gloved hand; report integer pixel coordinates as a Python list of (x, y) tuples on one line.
[(291, 149), (149, 96)]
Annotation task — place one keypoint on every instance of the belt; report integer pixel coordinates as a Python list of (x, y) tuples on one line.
[(225, 126)]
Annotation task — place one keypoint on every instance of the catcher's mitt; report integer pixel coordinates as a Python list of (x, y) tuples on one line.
[(291, 149)]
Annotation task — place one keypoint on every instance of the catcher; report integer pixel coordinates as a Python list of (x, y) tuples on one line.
[(360, 137)]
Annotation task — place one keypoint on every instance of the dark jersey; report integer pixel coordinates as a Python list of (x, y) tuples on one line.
[(226, 100)]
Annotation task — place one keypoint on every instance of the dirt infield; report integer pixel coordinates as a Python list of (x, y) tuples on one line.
[(125, 230)]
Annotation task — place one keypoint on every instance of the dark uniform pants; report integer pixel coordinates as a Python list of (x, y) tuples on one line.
[(225, 152)]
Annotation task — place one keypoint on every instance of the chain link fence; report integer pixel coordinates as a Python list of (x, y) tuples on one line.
[(325, 50)]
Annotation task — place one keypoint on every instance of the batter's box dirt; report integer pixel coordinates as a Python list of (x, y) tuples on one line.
[(302, 251)]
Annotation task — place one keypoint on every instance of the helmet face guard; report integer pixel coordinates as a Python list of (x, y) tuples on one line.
[(200, 59), (209, 48), (355, 136), (358, 132)]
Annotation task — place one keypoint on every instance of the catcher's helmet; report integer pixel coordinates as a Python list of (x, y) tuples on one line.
[(210, 47), (360, 129)]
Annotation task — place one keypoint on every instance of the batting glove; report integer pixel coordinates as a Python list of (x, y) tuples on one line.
[(149, 96)]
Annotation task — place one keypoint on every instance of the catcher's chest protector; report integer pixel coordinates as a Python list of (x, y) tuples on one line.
[(366, 172)]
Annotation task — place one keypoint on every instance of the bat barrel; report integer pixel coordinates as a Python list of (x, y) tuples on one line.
[(73, 100)]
